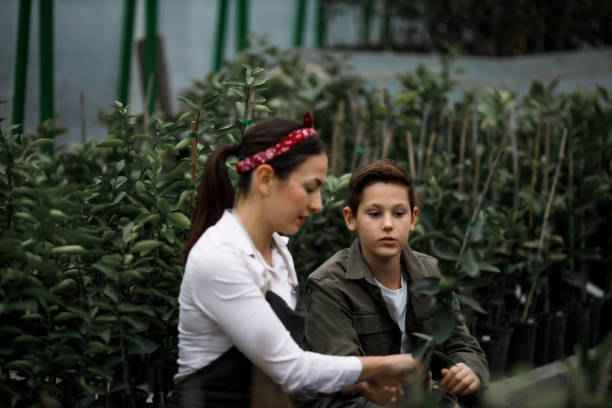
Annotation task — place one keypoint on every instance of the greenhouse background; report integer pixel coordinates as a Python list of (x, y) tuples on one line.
[(501, 113)]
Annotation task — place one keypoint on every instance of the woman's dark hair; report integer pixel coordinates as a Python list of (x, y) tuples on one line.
[(216, 193), (377, 171)]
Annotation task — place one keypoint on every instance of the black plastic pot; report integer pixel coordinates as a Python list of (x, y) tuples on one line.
[(596, 305), (494, 341), (522, 344), (578, 329), (605, 322), (556, 346), (542, 339)]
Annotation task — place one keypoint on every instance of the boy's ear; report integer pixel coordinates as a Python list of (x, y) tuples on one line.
[(351, 221), (415, 214)]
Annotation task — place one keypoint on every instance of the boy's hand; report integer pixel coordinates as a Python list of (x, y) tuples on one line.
[(460, 380)]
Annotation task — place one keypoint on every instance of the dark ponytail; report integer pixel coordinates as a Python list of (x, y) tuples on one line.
[(216, 193)]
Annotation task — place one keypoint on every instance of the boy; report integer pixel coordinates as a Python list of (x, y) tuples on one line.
[(359, 301)]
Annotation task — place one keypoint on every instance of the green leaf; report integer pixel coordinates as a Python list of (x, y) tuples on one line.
[(140, 345), (183, 144), (143, 138), (68, 249), (20, 365), (180, 220), (132, 308), (110, 143), (107, 270), (43, 141), (145, 246), (468, 301), (468, 264), (487, 267), (111, 292), (95, 347), (262, 108), (189, 102), (185, 116), (426, 286), (444, 323), (27, 339)]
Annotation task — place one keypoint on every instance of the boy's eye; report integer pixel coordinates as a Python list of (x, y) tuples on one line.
[(373, 213), (400, 213)]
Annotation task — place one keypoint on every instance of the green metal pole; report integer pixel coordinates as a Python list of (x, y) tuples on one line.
[(368, 10), (151, 53), (46, 64), (242, 24), (219, 47), (299, 19), (386, 24), (125, 56), (21, 65), (320, 26)]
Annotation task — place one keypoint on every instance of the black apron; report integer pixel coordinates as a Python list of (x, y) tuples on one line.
[(226, 382)]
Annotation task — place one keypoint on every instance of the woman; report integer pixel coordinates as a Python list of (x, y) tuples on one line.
[(239, 305)]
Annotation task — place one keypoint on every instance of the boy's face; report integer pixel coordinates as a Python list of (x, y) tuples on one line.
[(383, 220)]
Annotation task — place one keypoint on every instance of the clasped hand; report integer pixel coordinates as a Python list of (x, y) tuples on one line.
[(388, 384)]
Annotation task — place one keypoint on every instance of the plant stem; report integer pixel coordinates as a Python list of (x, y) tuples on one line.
[(534, 168), (476, 155), (462, 152), (551, 195), (515, 158), (487, 185), (449, 146), (546, 156)]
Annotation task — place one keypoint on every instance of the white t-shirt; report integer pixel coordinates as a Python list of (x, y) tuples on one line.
[(221, 304), (396, 301)]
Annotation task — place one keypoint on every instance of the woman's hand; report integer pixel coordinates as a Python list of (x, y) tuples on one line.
[(383, 378), (460, 380), (378, 393)]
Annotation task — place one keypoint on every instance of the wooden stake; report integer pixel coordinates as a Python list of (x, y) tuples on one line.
[(534, 171), (421, 146), (551, 195), (546, 157), (387, 144), (194, 149), (410, 155), (432, 139)]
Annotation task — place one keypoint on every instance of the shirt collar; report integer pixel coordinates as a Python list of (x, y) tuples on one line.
[(240, 239), (358, 269)]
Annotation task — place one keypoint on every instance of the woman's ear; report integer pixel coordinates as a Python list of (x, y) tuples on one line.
[(263, 177), (349, 218)]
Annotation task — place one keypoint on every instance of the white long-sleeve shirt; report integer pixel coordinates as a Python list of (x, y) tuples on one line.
[(221, 304)]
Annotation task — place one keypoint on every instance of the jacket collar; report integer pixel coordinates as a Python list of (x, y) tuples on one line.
[(358, 269)]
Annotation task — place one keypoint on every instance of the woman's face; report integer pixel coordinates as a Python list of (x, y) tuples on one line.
[(294, 199)]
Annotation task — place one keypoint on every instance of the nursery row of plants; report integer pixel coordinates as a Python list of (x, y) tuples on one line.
[(492, 27), (91, 238)]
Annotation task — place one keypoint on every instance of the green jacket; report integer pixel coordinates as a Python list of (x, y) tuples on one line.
[(347, 315)]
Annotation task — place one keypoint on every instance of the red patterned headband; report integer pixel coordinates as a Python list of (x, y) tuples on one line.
[(249, 163)]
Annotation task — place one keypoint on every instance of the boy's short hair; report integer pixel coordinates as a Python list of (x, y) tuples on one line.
[(377, 171)]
